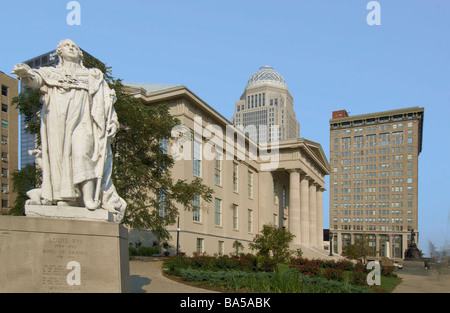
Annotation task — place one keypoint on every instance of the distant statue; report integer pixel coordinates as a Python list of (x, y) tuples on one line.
[(77, 121), (413, 236)]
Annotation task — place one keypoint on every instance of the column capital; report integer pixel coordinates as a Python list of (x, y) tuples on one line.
[(306, 177), (293, 170)]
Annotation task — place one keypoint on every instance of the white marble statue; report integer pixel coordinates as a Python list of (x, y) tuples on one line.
[(77, 121)]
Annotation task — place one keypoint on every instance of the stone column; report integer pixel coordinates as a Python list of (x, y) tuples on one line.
[(312, 214), (304, 210), (294, 205), (319, 238)]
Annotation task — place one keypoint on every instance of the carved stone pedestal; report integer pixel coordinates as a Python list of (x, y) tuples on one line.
[(68, 212), (42, 255)]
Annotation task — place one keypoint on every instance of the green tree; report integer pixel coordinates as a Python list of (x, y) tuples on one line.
[(273, 241), (141, 169), (237, 246), (360, 249)]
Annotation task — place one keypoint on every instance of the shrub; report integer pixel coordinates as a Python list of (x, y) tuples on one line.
[(388, 271), (334, 274), (142, 250), (147, 251), (268, 265), (307, 267), (344, 265), (359, 276), (174, 264), (322, 285)]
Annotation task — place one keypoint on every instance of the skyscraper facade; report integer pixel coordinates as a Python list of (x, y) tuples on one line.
[(9, 143), (266, 108), (374, 179)]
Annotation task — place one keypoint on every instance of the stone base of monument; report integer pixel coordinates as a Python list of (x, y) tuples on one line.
[(41, 255), (68, 212)]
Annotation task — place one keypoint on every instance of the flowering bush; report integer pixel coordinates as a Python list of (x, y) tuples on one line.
[(306, 267), (388, 271), (344, 265), (359, 276), (334, 274)]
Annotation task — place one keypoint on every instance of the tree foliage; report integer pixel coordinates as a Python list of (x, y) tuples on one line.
[(359, 249), (273, 241), (141, 169)]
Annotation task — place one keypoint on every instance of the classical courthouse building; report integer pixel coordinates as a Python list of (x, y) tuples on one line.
[(285, 190), (9, 144), (374, 179)]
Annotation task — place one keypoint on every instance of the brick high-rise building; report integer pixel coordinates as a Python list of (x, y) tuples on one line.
[(374, 179), (9, 136)]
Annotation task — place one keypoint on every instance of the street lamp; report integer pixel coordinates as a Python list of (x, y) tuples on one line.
[(178, 234)]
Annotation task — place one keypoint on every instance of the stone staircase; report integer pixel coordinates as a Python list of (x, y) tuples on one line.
[(316, 253)]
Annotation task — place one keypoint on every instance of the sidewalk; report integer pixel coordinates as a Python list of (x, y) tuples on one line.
[(146, 277), (416, 279)]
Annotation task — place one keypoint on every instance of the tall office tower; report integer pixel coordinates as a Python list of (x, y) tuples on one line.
[(374, 179), (27, 140), (9, 144), (266, 108)]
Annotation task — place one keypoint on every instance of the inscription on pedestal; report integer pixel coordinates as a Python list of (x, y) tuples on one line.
[(62, 264)]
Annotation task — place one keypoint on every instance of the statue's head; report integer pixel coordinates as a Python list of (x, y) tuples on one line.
[(68, 50)]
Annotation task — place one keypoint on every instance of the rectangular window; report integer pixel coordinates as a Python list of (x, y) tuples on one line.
[(5, 188), (235, 217), (196, 216), (4, 108), (162, 202), (250, 221), (218, 170), (4, 140), (5, 124), (217, 212), (250, 184), (197, 158), (4, 91), (220, 248), (4, 172), (200, 245), (235, 177)]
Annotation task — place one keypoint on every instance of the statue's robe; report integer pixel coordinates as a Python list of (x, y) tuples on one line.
[(77, 104)]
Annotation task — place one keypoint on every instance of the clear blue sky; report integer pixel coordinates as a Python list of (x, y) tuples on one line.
[(329, 56)]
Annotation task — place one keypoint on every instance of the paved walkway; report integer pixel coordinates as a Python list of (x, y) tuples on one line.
[(416, 279), (146, 276)]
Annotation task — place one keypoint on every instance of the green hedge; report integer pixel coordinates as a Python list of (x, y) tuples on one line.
[(142, 250), (244, 262)]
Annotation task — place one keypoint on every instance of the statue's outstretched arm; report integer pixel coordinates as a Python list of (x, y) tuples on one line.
[(27, 75)]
